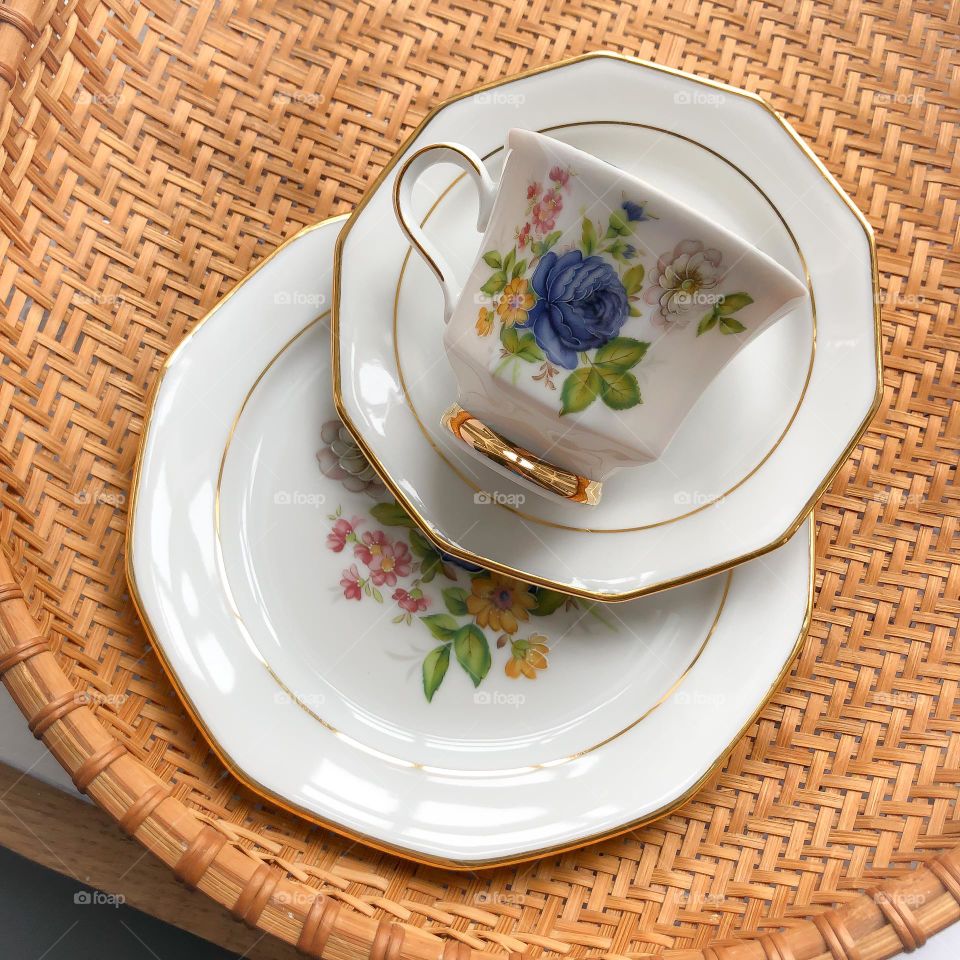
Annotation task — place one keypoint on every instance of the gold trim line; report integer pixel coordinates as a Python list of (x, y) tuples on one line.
[(708, 502), (269, 796), (467, 556), (275, 676), (496, 448)]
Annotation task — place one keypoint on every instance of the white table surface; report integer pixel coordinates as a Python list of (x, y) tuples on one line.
[(19, 749)]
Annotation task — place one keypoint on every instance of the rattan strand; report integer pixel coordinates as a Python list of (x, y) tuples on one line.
[(152, 153)]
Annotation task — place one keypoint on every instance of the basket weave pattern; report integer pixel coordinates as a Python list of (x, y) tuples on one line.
[(151, 153)]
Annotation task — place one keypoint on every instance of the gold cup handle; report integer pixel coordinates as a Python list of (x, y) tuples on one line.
[(562, 483), (415, 165)]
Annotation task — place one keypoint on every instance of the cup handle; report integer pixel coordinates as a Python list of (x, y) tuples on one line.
[(411, 170)]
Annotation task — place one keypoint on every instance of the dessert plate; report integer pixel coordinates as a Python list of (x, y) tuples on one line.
[(764, 439), (346, 670)]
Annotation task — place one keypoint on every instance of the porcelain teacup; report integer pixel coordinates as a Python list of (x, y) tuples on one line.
[(598, 310)]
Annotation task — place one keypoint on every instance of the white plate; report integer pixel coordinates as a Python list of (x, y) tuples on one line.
[(763, 441), (317, 701)]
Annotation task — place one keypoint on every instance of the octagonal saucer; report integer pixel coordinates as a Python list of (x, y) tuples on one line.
[(763, 441), (346, 670)]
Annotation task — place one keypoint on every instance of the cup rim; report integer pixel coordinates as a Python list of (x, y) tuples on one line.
[(518, 138)]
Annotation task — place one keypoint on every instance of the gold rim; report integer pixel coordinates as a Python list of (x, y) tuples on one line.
[(431, 263), (264, 792), (326, 724), (497, 449), (268, 795), (646, 526), (465, 555)]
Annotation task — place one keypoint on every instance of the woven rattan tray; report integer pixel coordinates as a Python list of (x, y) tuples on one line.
[(153, 152)]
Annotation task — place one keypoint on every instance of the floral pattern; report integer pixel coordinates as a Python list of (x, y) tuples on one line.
[(472, 613), (499, 602), (527, 657), (515, 302), (341, 459), (682, 276), (685, 278), (564, 306)]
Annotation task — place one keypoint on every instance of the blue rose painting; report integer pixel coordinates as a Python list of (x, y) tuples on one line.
[(581, 305), (562, 306)]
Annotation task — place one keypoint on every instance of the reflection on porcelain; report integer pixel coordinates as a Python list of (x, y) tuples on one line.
[(572, 335), (766, 435), (417, 648), (473, 613), (281, 652)]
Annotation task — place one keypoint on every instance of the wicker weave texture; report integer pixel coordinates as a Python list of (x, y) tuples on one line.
[(151, 153)]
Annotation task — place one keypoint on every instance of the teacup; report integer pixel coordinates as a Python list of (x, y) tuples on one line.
[(598, 310)]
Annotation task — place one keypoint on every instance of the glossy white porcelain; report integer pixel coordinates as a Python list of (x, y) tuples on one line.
[(598, 308), (758, 447), (250, 511)]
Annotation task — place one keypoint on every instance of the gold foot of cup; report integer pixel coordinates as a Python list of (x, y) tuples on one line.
[(555, 480)]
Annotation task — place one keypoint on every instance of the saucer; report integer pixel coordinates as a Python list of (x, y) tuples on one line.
[(344, 669), (763, 441)]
